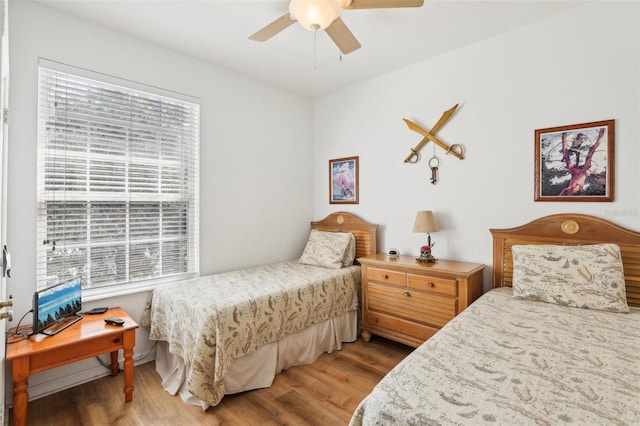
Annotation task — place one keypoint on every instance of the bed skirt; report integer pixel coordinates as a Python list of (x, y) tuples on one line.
[(258, 369)]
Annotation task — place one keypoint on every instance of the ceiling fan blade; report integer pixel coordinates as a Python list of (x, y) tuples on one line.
[(273, 28), (380, 4), (342, 36)]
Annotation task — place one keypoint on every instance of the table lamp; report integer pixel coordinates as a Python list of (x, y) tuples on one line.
[(426, 222)]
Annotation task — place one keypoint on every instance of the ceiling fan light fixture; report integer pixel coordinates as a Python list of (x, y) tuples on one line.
[(315, 15)]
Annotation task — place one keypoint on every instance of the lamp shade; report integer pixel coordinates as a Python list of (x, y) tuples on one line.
[(425, 222), (315, 15)]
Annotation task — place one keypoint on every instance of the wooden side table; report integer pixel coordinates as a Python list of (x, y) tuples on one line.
[(409, 301), (89, 337)]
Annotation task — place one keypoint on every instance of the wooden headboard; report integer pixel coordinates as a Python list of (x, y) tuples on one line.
[(364, 232), (568, 229)]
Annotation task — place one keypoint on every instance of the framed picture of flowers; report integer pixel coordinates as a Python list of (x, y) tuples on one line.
[(343, 181)]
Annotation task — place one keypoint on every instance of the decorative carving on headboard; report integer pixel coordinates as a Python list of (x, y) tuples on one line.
[(570, 227), (340, 219)]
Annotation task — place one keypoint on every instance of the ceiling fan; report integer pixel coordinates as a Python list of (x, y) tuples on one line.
[(316, 15)]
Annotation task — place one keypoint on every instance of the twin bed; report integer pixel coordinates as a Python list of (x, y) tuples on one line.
[(232, 332), (556, 341), (553, 343)]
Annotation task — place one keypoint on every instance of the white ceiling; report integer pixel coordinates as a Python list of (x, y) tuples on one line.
[(217, 31)]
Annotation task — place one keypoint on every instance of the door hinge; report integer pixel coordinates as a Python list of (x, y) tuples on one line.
[(5, 116)]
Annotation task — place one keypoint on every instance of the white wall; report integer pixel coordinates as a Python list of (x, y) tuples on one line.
[(578, 67), (256, 147)]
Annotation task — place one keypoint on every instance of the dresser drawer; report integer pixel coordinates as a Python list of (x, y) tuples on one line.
[(416, 306), (400, 326), (85, 348), (386, 276), (446, 286)]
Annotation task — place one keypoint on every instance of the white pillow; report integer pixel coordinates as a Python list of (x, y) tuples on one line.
[(588, 276), (327, 249)]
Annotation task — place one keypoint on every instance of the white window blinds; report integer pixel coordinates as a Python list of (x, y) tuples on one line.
[(117, 180)]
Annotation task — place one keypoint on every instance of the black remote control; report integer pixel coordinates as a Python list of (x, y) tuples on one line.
[(114, 321)]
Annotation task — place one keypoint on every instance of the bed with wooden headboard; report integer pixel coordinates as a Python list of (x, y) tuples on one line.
[(556, 341), (231, 332), (364, 232), (568, 229)]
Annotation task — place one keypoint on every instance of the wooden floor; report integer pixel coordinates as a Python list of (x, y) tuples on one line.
[(323, 393)]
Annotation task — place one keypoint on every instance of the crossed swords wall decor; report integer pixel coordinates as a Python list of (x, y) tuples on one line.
[(434, 162)]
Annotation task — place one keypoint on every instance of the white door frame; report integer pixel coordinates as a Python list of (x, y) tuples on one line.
[(4, 105)]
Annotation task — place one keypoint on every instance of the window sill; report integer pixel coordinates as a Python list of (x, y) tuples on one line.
[(100, 293)]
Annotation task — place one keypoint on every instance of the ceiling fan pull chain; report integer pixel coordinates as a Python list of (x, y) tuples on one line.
[(315, 50)]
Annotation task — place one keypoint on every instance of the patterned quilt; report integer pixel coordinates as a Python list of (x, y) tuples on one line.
[(515, 362), (213, 320)]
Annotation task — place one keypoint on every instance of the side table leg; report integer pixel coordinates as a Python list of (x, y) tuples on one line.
[(115, 365), (20, 375), (128, 344)]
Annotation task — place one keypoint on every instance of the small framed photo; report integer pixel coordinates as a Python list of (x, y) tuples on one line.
[(575, 163), (343, 181)]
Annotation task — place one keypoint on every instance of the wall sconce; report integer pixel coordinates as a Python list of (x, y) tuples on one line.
[(426, 222)]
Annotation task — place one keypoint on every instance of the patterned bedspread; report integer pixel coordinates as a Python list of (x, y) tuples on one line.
[(515, 362), (213, 320)]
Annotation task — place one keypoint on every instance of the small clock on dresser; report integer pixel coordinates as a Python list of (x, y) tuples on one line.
[(409, 301)]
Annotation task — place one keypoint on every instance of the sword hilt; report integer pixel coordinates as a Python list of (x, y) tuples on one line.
[(413, 157), (457, 150)]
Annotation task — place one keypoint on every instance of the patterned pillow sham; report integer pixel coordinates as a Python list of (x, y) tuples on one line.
[(589, 276), (327, 249), (350, 253)]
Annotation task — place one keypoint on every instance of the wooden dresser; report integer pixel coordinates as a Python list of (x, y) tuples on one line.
[(409, 301)]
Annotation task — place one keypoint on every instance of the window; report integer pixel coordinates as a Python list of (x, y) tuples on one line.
[(117, 180)]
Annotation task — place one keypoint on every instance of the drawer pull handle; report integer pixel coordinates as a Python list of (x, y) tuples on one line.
[(386, 277), (116, 340), (406, 293), (432, 285)]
